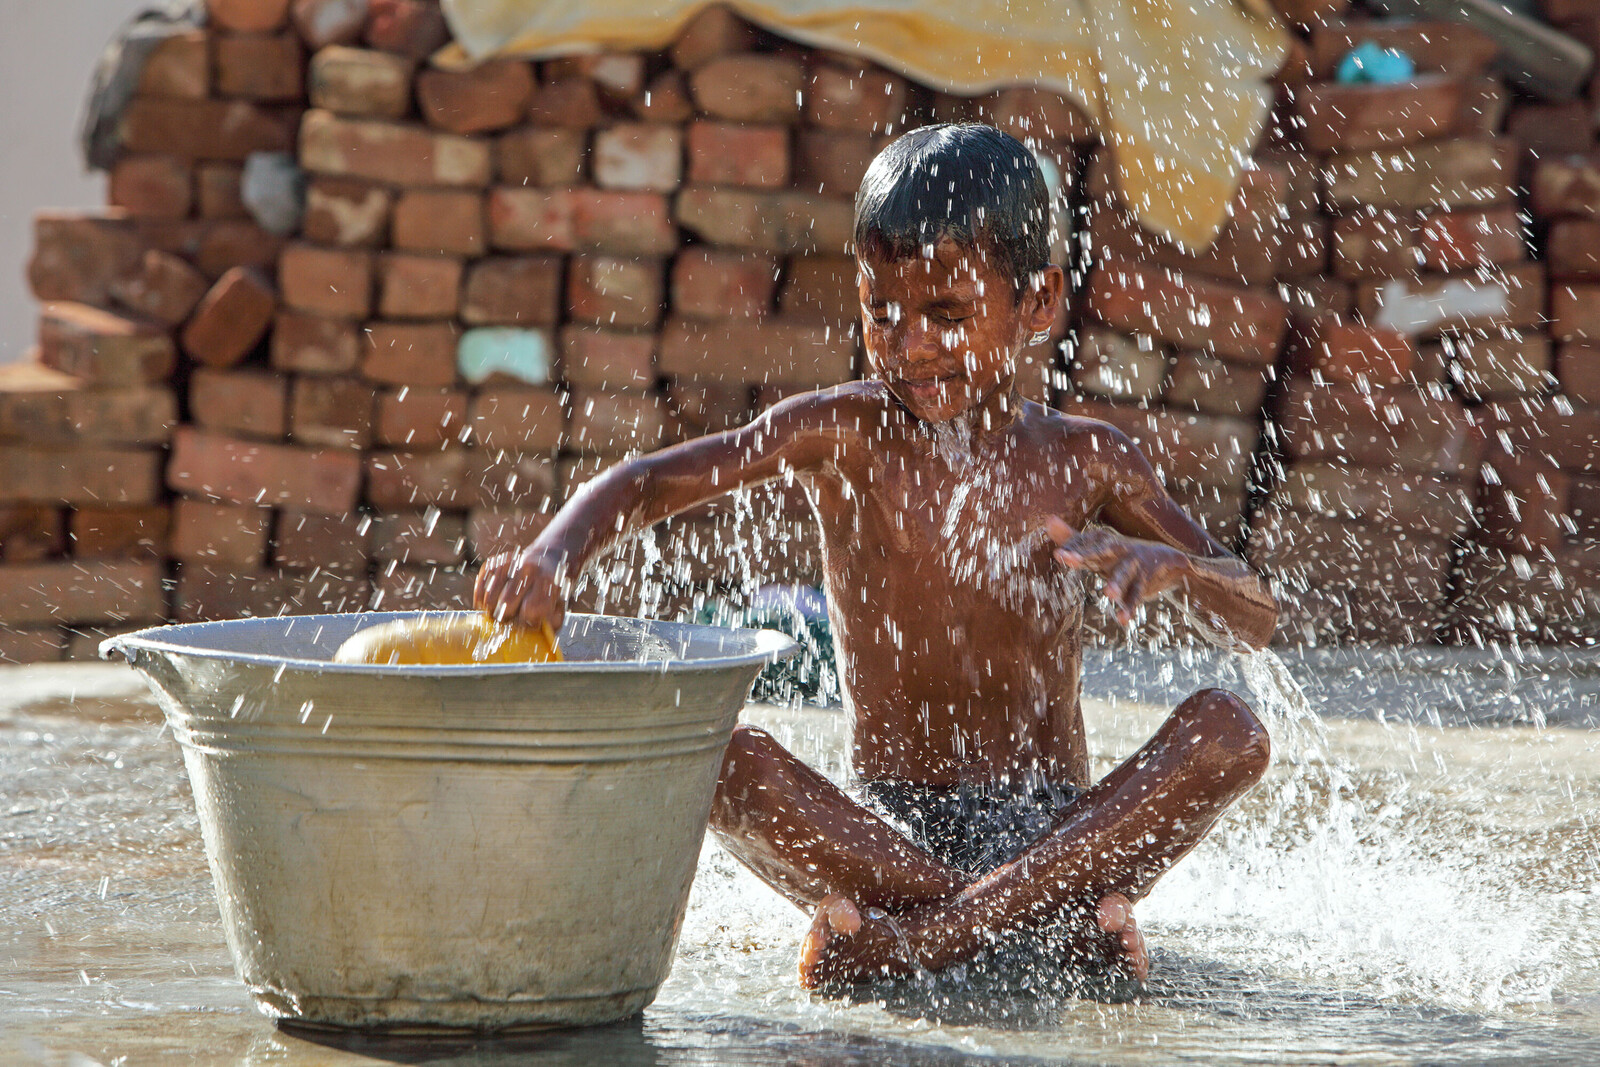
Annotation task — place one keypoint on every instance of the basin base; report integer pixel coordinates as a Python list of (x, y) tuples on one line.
[(445, 1018)]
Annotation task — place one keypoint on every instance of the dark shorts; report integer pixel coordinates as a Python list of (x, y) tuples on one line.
[(971, 828)]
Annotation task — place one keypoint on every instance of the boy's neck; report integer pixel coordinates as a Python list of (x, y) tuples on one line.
[(995, 414)]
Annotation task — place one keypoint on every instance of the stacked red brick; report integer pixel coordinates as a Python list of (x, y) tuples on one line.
[(1429, 303), (1533, 570)]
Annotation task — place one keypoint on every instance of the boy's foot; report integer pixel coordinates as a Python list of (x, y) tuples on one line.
[(845, 946)]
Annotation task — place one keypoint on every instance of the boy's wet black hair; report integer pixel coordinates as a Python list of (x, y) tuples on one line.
[(970, 182)]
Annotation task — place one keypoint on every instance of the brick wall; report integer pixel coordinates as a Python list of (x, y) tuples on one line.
[(1376, 383)]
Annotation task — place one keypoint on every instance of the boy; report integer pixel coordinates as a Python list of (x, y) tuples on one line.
[(956, 518)]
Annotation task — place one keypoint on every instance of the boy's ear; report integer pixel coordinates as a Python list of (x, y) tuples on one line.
[(1044, 298)]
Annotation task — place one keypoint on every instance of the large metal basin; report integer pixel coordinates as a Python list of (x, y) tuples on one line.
[(468, 846)]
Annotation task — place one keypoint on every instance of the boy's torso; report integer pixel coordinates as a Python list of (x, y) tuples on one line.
[(958, 631)]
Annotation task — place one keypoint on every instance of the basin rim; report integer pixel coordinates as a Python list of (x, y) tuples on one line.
[(771, 647)]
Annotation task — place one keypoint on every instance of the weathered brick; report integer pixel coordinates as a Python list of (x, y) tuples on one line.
[(1185, 448), (326, 281), (1524, 506), (1216, 386), (206, 591), (420, 418), (314, 344), (1433, 44), (156, 187), (338, 542), (1462, 240), (512, 290), (414, 28), (622, 223), (30, 533), (75, 592), (211, 466), (247, 16), (30, 645), (709, 283), (327, 22), (1573, 250), (77, 257), (607, 358), (96, 476), (103, 348), (228, 243), (832, 162), (226, 534), (331, 412), (518, 418), (1578, 371), (180, 65), (821, 289), (541, 156), (1399, 429), (638, 156), (863, 97), (765, 221), (697, 406), (389, 152), (1250, 248), (204, 129), (1583, 507), (1457, 173), (1512, 297), (346, 212), (1377, 243), (427, 537), (138, 532), (398, 481), (756, 351), (1344, 351), (1502, 365), (1355, 118), (248, 403), (445, 221), (55, 410), (1117, 366), (711, 32), (532, 220), (1547, 429), (412, 286), (609, 291), (749, 88), (618, 76), (1484, 103), (361, 82), (163, 288), (723, 153), (418, 354), (611, 420), (230, 319), (1188, 311), (1575, 313), (1550, 129), (666, 99), (1565, 186), (1384, 499), (421, 588), (260, 66), (569, 103), (491, 531), (491, 96), (1035, 115)]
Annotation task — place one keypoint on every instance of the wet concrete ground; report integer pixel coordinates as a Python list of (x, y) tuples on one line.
[(111, 949)]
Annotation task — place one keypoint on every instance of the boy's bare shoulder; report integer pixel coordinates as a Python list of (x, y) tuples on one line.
[(1086, 443), (846, 406)]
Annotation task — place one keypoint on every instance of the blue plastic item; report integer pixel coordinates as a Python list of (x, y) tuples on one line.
[(1369, 64)]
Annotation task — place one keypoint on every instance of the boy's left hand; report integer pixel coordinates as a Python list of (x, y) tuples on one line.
[(1135, 570)]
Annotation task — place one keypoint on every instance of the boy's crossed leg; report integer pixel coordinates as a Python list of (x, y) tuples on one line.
[(884, 907)]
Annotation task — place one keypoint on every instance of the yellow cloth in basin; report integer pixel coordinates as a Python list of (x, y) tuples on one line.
[(437, 640), (1177, 88)]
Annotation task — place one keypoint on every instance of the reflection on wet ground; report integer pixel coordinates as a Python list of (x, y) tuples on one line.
[(1440, 904)]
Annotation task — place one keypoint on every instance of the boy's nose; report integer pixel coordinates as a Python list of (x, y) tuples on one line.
[(922, 342)]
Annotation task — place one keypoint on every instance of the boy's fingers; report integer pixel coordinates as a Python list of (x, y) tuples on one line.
[(1119, 579), (1059, 531)]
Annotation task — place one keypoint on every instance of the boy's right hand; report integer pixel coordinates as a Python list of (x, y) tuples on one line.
[(521, 587)]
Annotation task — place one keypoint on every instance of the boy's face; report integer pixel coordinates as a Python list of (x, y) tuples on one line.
[(944, 332)]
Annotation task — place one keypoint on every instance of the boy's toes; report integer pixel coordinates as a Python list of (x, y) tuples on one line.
[(1115, 916), (836, 916)]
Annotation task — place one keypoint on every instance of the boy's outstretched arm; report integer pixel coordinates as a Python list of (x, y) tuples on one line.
[(1149, 545), (528, 586)]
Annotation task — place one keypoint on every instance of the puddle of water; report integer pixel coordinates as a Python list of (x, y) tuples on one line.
[(1444, 907)]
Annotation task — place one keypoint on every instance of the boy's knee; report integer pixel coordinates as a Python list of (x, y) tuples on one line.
[(745, 754), (1226, 720)]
